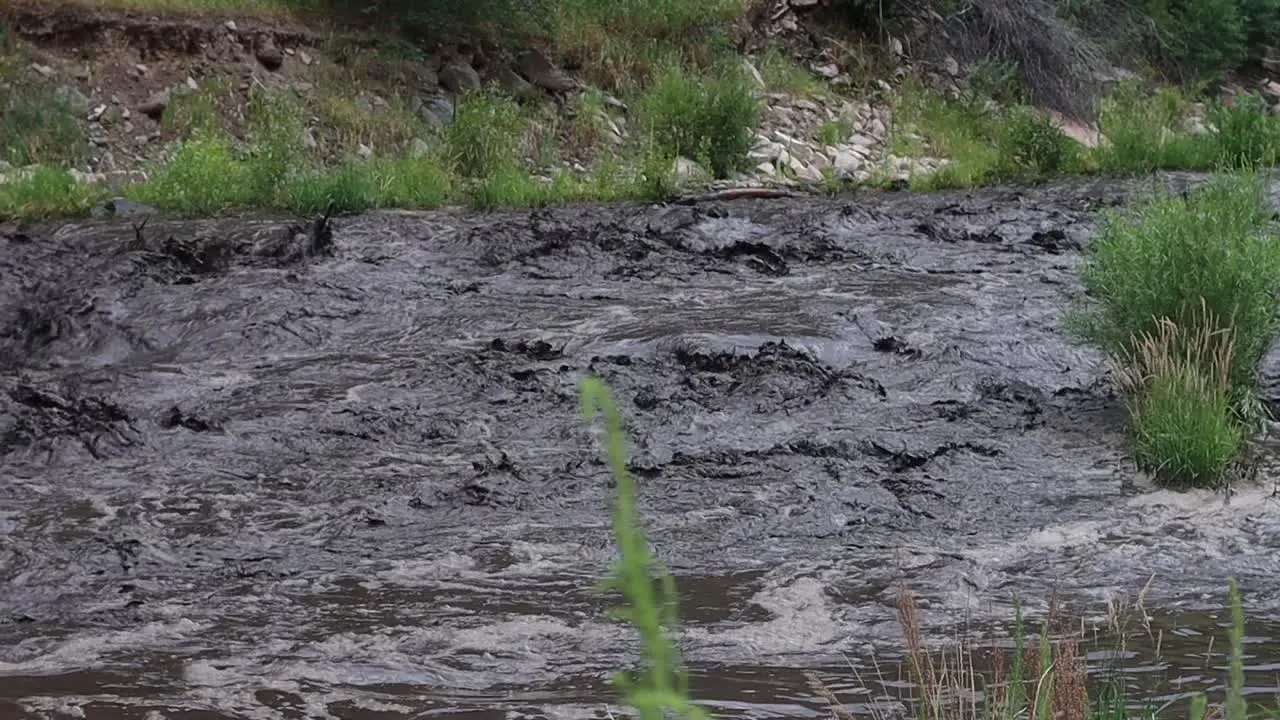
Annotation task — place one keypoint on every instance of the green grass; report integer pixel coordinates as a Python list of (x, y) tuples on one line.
[(1183, 430), (46, 192), (711, 120), (1182, 293), (782, 74)]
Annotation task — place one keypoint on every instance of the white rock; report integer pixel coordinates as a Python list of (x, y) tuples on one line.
[(953, 67), (96, 113), (809, 105), (419, 149), (754, 73), (864, 141), (364, 151), (686, 169), (230, 25), (847, 164), (828, 70), (767, 169), (191, 83), (877, 129)]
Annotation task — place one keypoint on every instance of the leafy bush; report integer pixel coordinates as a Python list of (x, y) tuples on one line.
[(1185, 259), (1031, 144), (710, 120)]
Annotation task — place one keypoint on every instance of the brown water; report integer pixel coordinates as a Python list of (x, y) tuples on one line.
[(253, 469)]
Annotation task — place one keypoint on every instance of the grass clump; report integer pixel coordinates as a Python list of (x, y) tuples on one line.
[(484, 139), (1178, 381), (711, 120), (202, 176), (44, 192), (1183, 295), (37, 126)]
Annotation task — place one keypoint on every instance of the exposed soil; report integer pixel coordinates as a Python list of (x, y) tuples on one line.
[(344, 462)]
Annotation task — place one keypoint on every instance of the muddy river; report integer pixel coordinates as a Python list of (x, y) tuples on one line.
[(259, 469)]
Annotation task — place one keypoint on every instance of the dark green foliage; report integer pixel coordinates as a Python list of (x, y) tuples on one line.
[(1031, 145)]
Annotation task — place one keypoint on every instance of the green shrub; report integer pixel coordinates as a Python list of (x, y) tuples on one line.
[(39, 127), (711, 120), (45, 192), (1179, 257), (485, 136), (201, 177), (1182, 423), (277, 123), (1030, 144), (1247, 134)]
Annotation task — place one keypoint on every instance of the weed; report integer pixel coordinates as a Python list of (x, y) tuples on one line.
[(1145, 132), (834, 132), (510, 186), (45, 192), (1178, 257), (781, 74), (662, 685), (201, 177), (485, 135), (710, 120), (348, 188), (277, 146), (1031, 145), (1247, 134), (39, 127), (197, 111), (351, 120)]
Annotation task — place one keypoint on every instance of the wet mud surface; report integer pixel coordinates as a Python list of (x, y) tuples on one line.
[(271, 469)]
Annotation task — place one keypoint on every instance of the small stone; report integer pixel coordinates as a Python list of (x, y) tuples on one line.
[(847, 164), (419, 149), (459, 77), (686, 169), (154, 106), (290, 52), (308, 139), (953, 67), (230, 25), (537, 69), (267, 52), (304, 57), (767, 169), (44, 70), (141, 69), (364, 151), (827, 70), (191, 83), (96, 114), (809, 105), (82, 73)]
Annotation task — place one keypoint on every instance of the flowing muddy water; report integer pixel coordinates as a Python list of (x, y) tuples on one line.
[(255, 469)]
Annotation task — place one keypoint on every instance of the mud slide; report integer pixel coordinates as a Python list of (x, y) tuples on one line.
[(261, 469)]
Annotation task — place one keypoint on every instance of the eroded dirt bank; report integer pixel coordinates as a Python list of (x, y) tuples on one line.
[(248, 465)]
